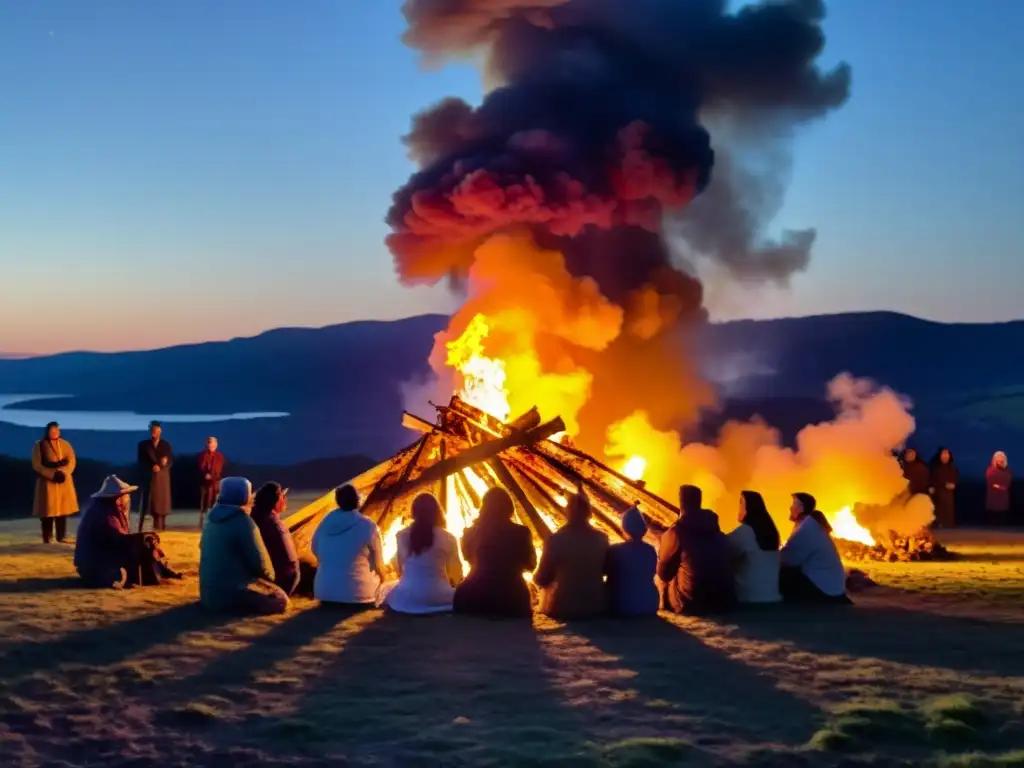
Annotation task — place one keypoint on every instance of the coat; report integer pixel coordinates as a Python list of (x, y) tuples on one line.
[(945, 498), (231, 556), (695, 563), (997, 488), (918, 475), (277, 540), (498, 555), (156, 486), (102, 542), (571, 573), (350, 556), (212, 464), (54, 499), (631, 566)]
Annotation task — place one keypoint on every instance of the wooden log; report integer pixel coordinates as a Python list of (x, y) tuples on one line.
[(415, 423)]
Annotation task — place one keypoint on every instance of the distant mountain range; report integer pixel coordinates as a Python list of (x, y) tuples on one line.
[(341, 384)]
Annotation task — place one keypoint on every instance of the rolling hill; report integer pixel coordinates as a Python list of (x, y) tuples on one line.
[(341, 384)]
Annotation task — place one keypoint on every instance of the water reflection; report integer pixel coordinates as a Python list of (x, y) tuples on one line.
[(108, 421)]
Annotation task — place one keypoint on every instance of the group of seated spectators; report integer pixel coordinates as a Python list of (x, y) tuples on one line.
[(248, 561)]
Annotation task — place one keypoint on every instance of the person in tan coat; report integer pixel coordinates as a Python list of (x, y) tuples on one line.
[(53, 460), (572, 565)]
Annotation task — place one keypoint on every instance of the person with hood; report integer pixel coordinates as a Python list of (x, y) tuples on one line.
[(917, 473), (755, 546), (270, 503), (235, 572), (812, 571), (572, 564), (155, 459), (944, 479), (429, 568), (107, 554), (695, 560), (211, 470), (631, 566), (998, 481), (499, 552), (350, 555), (54, 462)]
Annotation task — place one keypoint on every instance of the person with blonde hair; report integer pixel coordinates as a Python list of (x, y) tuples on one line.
[(54, 462), (998, 481)]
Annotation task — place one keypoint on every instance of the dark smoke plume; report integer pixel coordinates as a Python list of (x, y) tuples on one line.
[(595, 136)]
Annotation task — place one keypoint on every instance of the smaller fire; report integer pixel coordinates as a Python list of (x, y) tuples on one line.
[(845, 526), (635, 467), (483, 377)]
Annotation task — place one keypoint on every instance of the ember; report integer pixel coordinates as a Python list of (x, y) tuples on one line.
[(895, 548)]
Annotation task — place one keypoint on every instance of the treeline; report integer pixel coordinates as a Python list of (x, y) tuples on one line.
[(17, 479)]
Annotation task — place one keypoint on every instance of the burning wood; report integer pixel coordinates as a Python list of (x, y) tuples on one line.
[(892, 547)]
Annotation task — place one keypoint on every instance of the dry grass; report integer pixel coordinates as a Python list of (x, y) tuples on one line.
[(913, 675)]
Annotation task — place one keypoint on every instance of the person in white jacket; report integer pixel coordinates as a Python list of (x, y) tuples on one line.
[(350, 555), (812, 571), (429, 567), (755, 545)]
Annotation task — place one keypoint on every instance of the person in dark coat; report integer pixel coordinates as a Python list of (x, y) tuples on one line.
[(107, 554), (695, 560), (998, 480), (917, 473), (944, 479), (211, 470), (270, 502), (499, 551), (155, 457), (631, 566)]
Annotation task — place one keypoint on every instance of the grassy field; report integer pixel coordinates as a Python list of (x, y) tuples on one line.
[(915, 674)]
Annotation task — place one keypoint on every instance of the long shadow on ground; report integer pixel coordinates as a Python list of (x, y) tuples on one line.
[(40, 586)]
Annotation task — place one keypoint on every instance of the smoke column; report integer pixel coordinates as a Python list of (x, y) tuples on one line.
[(606, 119)]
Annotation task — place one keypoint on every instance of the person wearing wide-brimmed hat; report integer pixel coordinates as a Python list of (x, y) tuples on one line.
[(107, 554), (53, 460)]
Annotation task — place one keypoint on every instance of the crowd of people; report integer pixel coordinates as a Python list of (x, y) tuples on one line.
[(940, 477)]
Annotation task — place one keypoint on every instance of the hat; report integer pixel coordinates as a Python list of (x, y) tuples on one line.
[(235, 492), (113, 487)]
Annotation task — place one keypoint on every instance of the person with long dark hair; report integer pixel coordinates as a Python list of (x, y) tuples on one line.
[(429, 568), (755, 545), (945, 478), (572, 566), (812, 571), (916, 472), (270, 502), (499, 552)]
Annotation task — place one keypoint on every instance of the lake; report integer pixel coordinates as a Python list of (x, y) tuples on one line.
[(108, 421)]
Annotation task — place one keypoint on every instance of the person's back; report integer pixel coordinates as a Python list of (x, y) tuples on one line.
[(811, 550), (631, 566), (271, 501), (695, 561), (757, 569), (348, 549), (571, 572), (427, 579), (231, 556)]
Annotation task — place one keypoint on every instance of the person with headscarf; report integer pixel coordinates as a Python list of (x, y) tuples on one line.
[(270, 502), (54, 462), (235, 572), (572, 564), (350, 555), (944, 479), (755, 546), (998, 481), (631, 566), (812, 571), (695, 560), (155, 459), (916, 472), (499, 552), (211, 470), (429, 567), (107, 553)]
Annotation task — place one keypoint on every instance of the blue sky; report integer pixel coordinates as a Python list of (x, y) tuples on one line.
[(194, 170)]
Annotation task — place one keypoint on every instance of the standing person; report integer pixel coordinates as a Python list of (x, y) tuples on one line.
[(917, 473), (156, 457), (53, 460), (211, 470), (755, 544), (998, 480), (812, 571), (944, 479)]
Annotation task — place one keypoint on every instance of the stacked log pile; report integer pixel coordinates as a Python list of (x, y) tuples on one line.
[(892, 547)]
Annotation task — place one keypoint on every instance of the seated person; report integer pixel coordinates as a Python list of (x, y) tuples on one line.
[(755, 546), (429, 567), (571, 571), (235, 572), (631, 566), (499, 551), (812, 571), (270, 503), (107, 554), (695, 560), (350, 555)]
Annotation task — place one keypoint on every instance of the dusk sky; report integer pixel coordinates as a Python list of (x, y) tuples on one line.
[(193, 170)]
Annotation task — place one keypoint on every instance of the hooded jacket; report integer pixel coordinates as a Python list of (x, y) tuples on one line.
[(231, 556), (571, 573), (349, 552), (631, 566), (695, 563)]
